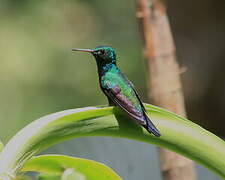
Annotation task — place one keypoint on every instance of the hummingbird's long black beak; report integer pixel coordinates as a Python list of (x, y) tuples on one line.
[(83, 50)]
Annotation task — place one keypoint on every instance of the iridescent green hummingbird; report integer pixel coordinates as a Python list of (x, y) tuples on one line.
[(118, 89)]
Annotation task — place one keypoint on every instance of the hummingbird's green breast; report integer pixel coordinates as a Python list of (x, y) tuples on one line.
[(114, 79)]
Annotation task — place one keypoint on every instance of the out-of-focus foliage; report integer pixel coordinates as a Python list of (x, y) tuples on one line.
[(69, 168), (39, 74)]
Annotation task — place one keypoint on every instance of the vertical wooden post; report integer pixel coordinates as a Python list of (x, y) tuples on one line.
[(164, 84)]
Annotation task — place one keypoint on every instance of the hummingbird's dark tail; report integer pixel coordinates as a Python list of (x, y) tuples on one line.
[(150, 127)]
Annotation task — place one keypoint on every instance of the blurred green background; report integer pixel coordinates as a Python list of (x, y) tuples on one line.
[(40, 75)]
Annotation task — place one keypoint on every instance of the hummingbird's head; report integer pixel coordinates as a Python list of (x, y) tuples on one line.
[(103, 54)]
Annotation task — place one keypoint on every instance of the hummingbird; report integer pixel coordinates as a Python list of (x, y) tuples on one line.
[(118, 89)]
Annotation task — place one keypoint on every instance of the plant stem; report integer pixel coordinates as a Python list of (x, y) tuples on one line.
[(164, 78)]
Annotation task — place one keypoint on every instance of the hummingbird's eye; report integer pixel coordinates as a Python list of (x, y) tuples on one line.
[(101, 52)]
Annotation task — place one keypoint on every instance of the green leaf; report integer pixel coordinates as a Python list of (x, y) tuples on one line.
[(80, 169), (70, 174), (22, 177), (178, 134), (48, 177)]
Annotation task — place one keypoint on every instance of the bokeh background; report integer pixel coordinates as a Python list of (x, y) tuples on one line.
[(40, 75)]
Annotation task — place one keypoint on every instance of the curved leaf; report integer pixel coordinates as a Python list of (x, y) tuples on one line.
[(59, 164), (48, 177), (178, 134), (70, 174)]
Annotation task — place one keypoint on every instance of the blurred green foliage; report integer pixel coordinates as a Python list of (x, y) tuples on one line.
[(68, 167), (39, 74)]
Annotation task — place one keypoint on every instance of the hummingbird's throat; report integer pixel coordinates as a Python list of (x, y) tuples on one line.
[(110, 67)]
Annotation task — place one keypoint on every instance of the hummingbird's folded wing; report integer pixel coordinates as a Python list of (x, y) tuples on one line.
[(132, 86), (119, 99)]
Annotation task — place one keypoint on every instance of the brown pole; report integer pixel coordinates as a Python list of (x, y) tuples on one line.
[(164, 83)]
